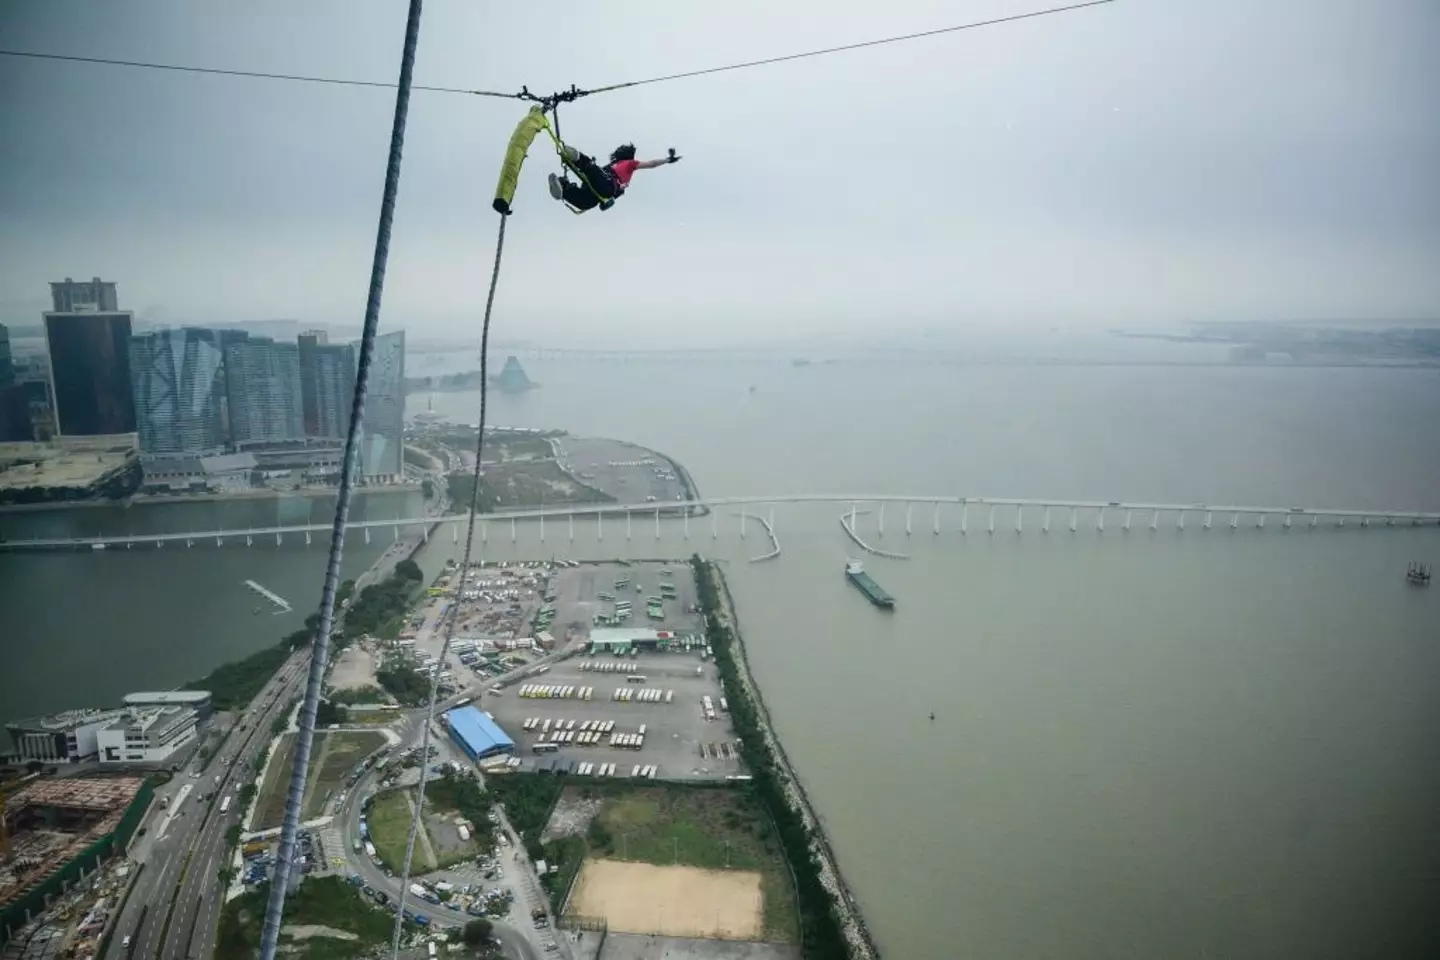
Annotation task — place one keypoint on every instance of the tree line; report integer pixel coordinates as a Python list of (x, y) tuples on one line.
[(821, 934)]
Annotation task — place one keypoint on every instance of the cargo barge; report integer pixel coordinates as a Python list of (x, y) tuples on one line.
[(855, 573)]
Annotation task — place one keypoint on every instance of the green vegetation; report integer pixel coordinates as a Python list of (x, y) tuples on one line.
[(463, 795), (336, 753), (821, 934), (715, 828), (389, 819), (379, 609), (233, 685), (477, 932), (528, 800), (324, 901), (346, 589), (271, 809), (349, 695), (408, 686), (327, 712), (567, 855), (526, 483)]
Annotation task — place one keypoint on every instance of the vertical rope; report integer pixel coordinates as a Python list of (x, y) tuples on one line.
[(453, 614), (320, 650)]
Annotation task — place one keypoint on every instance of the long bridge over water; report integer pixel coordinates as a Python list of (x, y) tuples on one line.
[(943, 512)]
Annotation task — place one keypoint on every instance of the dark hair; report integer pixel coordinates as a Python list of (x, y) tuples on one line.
[(626, 151)]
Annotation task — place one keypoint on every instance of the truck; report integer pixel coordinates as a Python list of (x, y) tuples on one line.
[(253, 848), (369, 849), (417, 890), (464, 832)]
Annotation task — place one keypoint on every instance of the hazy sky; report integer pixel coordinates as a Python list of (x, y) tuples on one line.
[(1146, 162)]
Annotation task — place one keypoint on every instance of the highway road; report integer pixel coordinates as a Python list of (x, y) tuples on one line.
[(197, 906), (194, 830), (185, 844)]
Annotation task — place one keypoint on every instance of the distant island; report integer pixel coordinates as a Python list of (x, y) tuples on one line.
[(511, 379)]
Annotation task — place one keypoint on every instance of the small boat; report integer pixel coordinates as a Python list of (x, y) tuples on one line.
[(1418, 574)]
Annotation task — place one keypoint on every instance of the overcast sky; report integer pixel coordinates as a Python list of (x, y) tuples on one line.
[(1143, 163)]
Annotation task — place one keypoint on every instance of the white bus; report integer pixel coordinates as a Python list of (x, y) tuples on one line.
[(224, 804)]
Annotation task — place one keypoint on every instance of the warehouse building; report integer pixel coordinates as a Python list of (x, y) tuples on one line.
[(477, 734), (621, 640)]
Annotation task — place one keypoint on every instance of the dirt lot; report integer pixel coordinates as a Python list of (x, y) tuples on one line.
[(355, 667), (712, 829), (674, 901)]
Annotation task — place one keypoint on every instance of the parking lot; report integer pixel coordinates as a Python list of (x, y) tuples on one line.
[(678, 739), (674, 731)]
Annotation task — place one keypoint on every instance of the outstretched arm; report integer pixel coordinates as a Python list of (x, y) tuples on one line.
[(652, 164)]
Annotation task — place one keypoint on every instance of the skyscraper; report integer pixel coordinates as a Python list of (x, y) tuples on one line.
[(382, 453), (89, 342), (94, 296), (7, 366), (179, 386), (14, 410), (327, 383), (262, 381)]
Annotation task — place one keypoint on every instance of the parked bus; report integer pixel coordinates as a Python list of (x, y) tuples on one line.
[(635, 678), (545, 747)]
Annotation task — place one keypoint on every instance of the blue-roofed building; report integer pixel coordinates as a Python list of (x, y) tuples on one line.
[(477, 734)]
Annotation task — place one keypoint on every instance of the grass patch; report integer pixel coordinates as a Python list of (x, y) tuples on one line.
[(716, 829), (327, 901), (389, 822), (522, 484), (336, 753), (270, 810), (462, 795)]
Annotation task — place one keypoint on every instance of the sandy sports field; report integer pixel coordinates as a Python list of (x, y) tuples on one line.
[(673, 901)]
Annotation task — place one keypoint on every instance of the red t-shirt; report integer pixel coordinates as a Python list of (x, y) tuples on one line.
[(623, 170)]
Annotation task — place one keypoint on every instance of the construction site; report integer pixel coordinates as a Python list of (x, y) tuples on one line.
[(56, 834)]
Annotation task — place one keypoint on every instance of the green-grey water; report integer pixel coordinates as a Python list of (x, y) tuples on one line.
[(1207, 743)]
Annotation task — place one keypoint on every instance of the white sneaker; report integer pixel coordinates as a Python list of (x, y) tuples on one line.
[(556, 190), (572, 154)]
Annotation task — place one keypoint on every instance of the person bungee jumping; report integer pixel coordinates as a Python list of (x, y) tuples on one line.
[(600, 186)]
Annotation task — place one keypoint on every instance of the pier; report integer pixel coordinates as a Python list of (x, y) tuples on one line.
[(280, 602)]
